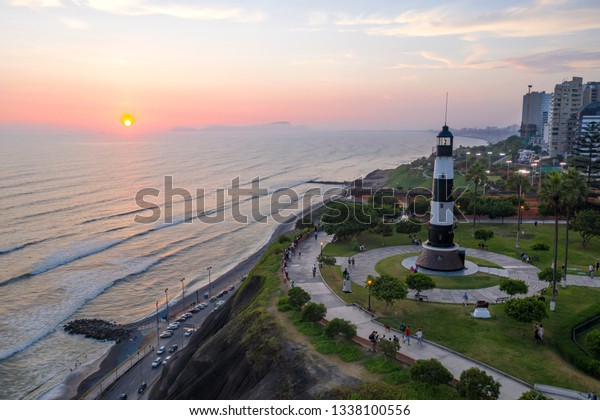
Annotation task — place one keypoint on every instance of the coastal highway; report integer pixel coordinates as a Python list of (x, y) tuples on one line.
[(143, 371)]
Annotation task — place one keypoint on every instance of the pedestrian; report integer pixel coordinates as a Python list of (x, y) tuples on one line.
[(407, 334), (314, 270), (316, 235), (387, 328), (465, 299), (353, 262), (536, 335), (420, 336), (373, 339), (591, 271), (597, 265), (403, 330), (299, 254), (412, 269), (396, 340), (349, 262), (541, 332)]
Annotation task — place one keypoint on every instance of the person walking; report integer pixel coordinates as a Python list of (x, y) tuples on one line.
[(407, 334), (420, 336), (541, 332), (314, 270), (591, 271), (536, 330), (465, 299)]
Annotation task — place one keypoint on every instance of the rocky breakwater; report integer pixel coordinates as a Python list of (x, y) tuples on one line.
[(98, 329)]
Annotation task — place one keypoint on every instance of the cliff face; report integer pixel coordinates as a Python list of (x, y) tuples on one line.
[(242, 353)]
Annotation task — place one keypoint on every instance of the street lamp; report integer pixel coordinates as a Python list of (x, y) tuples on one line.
[(167, 299), (508, 162), (467, 162), (209, 287), (533, 166), (369, 284), (182, 295), (157, 327), (489, 160), (321, 248), (524, 172)]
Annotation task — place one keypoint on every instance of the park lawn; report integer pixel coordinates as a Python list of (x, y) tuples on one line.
[(483, 263), (499, 342), (393, 266), (405, 178), (503, 242)]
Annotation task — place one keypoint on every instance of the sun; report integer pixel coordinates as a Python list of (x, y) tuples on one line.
[(127, 120)]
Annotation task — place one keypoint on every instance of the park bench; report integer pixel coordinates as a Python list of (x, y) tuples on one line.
[(502, 299), (422, 297)]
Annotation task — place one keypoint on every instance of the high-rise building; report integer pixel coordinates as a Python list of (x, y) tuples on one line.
[(535, 116), (566, 104), (590, 93)]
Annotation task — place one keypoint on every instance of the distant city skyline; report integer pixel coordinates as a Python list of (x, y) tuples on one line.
[(95, 64)]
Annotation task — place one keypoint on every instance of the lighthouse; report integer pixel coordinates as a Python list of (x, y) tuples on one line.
[(440, 253)]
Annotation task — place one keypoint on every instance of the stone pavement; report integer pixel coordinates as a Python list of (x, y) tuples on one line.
[(300, 271)]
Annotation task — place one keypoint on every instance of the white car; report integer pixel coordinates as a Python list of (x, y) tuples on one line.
[(156, 362), (160, 350), (166, 360), (219, 303), (166, 334), (188, 333)]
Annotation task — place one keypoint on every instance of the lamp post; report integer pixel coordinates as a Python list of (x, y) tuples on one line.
[(369, 284), (508, 162), (524, 172), (209, 287), (157, 327), (533, 166), (182, 295), (321, 248), (467, 162), (167, 299), (489, 160)]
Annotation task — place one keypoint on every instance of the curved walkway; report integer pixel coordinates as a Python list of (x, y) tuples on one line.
[(300, 271), (513, 268)]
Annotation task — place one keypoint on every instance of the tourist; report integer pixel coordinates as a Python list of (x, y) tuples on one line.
[(314, 270), (465, 299), (420, 336), (352, 260), (591, 271), (412, 269), (541, 332), (407, 334), (403, 330)]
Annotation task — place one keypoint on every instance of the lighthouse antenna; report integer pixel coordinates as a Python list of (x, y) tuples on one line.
[(446, 114)]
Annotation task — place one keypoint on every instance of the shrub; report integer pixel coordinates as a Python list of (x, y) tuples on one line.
[(409, 226), (475, 384), (324, 259), (547, 274), (354, 244), (514, 287), (298, 297), (313, 312), (388, 348), (430, 371), (532, 394), (283, 305), (592, 342), (340, 326), (540, 247)]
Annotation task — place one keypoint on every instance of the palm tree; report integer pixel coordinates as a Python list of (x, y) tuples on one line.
[(552, 192), (477, 174), (521, 184), (575, 194)]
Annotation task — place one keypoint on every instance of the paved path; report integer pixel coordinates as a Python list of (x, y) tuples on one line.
[(300, 270)]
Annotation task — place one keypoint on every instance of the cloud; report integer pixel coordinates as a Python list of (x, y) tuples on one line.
[(35, 4), (74, 23), (316, 18), (544, 17), (554, 61), (178, 9)]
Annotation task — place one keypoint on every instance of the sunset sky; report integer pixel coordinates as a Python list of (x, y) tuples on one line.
[(340, 64)]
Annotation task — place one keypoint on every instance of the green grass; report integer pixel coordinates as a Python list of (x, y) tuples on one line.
[(503, 242), (393, 267), (500, 341), (483, 263)]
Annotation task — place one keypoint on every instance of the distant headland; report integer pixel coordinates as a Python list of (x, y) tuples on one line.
[(271, 127)]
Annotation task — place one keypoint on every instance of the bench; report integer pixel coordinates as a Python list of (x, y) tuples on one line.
[(502, 299), (421, 297)]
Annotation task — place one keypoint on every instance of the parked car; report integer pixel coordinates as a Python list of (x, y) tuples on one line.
[(231, 287), (156, 362), (166, 334), (219, 303), (160, 350), (142, 387), (173, 348), (188, 333), (123, 397), (195, 309)]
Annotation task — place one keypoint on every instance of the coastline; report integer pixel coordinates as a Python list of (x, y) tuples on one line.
[(78, 383)]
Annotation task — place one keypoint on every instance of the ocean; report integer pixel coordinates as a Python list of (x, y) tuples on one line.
[(76, 242)]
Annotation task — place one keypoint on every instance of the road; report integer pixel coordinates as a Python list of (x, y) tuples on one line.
[(143, 371)]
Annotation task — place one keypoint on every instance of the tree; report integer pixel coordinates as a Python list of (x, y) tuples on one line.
[(525, 310), (419, 282), (430, 371), (592, 342), (587, 150), (551, 194), (478, 176), (388, 348), (514, 287), (574, 195), (501, 207), (346, 219), (298, 297), (409, 226), (475, 384), (483, 234), (313, 312), (532, 394), (587, 224), (388, 289), (547, 274), (340, 326)]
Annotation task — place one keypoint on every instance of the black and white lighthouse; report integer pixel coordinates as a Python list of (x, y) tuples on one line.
[(440, 253)]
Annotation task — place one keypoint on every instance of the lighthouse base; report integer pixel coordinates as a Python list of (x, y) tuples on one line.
[(441, 259)]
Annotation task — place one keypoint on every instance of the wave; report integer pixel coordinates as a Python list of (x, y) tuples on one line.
[(8, 250)]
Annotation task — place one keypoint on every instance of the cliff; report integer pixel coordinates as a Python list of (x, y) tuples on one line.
[(242, 352)]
